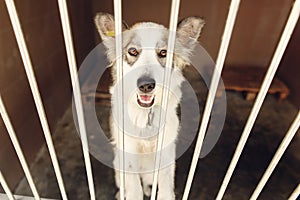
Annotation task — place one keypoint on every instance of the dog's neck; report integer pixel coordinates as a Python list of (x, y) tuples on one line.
[(141, 117)]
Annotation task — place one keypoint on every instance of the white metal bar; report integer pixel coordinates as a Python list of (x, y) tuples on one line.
[(233, 10), (17, 147), (120, 87), (280, 151), (35, 91), (63, 9), (295, 194), (166, 85), (5, 187), (294, 15)]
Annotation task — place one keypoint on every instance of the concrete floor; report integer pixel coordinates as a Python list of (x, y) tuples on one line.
[(269, 129)]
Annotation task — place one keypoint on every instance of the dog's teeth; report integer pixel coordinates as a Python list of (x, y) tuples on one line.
[(145, 98)]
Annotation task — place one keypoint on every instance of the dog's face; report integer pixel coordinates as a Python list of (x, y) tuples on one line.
[(144, 56)]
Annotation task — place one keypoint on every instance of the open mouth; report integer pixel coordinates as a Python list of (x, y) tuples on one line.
[(145, 100)]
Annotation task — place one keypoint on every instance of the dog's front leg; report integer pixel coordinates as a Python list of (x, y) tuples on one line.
[(166, 178), (133, 188), (166, 184), (132, 184)]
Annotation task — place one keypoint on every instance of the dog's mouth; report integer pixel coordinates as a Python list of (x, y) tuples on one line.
[(145, 100)]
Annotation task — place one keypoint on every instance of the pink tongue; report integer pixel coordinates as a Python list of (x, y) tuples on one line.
[(145, 97)]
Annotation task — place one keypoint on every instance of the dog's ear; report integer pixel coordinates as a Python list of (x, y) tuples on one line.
[(188, 32), (105, 24), (190, 27)]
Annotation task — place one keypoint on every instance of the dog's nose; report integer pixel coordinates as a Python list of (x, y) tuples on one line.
[(146, 84)]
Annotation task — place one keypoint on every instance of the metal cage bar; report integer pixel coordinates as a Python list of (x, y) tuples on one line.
[(280, 151), (35, 91), (166, 82), (295, 194), (120, 88), (18, 149), (233, 10), (288, 30), (5, 187), (63, 9)]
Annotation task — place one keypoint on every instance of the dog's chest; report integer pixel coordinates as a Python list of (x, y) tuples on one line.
[(146, 146)]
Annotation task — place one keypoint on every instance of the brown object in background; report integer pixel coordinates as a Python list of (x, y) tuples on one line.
[(249, 80)]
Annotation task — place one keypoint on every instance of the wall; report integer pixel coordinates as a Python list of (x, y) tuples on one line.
[(40, 21), (289, 69)]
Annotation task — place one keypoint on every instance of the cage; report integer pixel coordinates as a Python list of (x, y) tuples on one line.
[(257, 153)]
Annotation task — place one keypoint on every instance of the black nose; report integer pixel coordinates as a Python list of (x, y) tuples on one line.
[(146, 84)]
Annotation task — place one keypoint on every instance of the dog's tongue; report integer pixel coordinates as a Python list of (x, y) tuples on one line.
[(145, 98)]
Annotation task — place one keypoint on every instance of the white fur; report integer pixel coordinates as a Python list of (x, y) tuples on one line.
[(148, 63)]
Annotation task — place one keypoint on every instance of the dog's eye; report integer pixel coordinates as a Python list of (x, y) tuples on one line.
[(133, 51), (162, 53)]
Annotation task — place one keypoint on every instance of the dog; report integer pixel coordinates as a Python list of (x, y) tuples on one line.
[(144, 52)]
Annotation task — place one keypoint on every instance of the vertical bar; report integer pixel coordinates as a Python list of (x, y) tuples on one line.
[(288, 30), (166, 85), (295, 194), (120, 110), (5, 187), (283, 146), (63, 9), (233, 10), (35, 91), (18, 149)]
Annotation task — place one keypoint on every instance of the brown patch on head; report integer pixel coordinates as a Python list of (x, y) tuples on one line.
[(162, 46), (131, 42), (131, 59)]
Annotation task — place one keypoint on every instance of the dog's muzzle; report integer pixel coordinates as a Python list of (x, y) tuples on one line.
[(145, 96)]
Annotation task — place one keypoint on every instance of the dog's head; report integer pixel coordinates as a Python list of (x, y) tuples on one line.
[(144, 55)]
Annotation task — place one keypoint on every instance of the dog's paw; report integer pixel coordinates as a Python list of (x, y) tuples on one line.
[(134, 196), (117, 196), (147, 190), (165, 196), (130, 197)]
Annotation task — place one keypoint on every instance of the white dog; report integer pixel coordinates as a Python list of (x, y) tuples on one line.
[(144, 60)]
